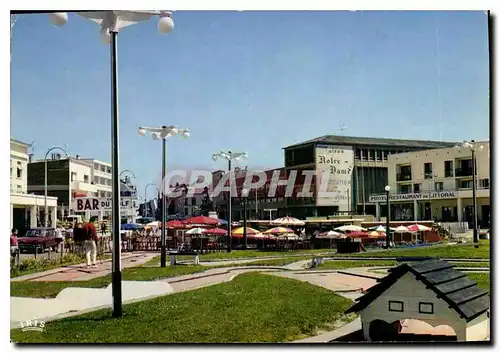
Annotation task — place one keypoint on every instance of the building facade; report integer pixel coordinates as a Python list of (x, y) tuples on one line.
[(437, 185), (356, 168), (26, 210)]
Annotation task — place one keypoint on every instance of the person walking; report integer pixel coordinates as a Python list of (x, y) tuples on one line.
[(90, 242), (59, 237), (103, 228), (14, 245)]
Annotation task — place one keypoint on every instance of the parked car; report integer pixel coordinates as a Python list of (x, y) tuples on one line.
[(38, 238)]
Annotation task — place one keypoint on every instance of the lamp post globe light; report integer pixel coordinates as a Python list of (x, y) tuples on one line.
[(111, 22), (163, 133), (473, 147), (229, 156), (46, 209), (388, 218)]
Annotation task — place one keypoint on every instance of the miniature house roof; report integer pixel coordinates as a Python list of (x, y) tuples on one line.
[(462, 294)]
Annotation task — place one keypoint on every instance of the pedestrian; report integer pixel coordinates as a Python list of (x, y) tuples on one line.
[(79, 237), (91, 239), (59, 237), (103, 228), (14, 245)]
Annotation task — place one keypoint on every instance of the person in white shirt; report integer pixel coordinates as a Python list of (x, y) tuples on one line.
[(59, 238)]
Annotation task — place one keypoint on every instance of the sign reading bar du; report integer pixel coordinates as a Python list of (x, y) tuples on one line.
[(81, 204), (411, 197)]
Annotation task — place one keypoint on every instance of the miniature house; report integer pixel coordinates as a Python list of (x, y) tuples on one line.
[(430, 291)]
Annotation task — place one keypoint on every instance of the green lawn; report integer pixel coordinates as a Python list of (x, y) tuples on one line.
[(341, 264), (457, 251), (470, 264), (252, 308), (482, 279), (245, 254), (33, 265), (271, 262), (40, 289)]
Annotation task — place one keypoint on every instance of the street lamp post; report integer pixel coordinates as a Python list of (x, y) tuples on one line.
[(229, 156), (163, 133), (388, 218), (46, 209), (111, 23), (244, 195), (471, 145)]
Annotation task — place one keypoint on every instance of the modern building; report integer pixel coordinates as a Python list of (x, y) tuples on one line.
[(72, 177), (26, 210), (437, 185), (357, 168)]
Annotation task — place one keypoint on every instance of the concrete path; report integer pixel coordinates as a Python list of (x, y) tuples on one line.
[(81, 273), (326, 337)]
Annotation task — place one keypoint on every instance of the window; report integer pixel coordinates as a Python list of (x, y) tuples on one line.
[(426, 308), (357, 153), (438, 186), (416, 188), (85, 178), (19, 173), (186, 211), (73, 176), (484, 183), (405, 189), (448, 169), (427, 170), (465, 184), (193, 201), (396, 306), (108, 170), (378, 155)]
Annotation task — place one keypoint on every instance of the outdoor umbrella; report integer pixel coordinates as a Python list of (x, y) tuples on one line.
[(155, 224), (287, 221), (379, 229), (215, 231), (350, 228), (377, 234), (196, 231), (278, 231), (290, 236), (175, 224), (330, 235), (238, 232), (202, 221), (402, 230), (418, 228), (130, 226), (357, 235)]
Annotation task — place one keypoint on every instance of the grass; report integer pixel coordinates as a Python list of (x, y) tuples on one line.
[(457, 251), (252, 308), (245, 254), (32, 265), (342, 264), (40, 289), (482, 279), (471, 264), (271, 262)]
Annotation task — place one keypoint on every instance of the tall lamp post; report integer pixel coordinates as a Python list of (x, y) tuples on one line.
[(163, 133), (244, 195), (388, 218), (471, 145), (46, 209), (229, 156), (145, 197), (111, 23)]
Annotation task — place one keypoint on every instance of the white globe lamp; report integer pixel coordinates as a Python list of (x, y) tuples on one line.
[(165, 24), (58, 18)]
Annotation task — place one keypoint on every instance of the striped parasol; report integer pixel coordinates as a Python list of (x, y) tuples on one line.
[(278, 231), (238, 232), (287, 221)]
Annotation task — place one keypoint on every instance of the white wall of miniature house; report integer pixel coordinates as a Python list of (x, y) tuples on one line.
[(408, 298)]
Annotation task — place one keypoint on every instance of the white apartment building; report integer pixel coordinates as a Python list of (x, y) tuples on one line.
[(437, 184), (25, 209)]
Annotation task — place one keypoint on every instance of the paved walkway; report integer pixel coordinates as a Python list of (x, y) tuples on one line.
[(81, 273)]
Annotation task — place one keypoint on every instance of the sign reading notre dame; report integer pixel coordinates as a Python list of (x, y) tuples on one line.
[(334, 167)]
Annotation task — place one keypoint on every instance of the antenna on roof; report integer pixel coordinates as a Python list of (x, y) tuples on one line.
[(342, 127)]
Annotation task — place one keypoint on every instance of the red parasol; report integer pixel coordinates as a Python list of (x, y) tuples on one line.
[(175, 224), (215, 231), (202, 221), (357, 235)]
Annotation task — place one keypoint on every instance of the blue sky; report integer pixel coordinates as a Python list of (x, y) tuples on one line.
[(250, 81)]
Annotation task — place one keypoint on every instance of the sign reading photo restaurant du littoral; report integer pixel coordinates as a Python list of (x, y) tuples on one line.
[(412, 197)]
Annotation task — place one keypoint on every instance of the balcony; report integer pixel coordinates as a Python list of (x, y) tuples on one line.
[(448, 173), (463, 172), (403, 177)]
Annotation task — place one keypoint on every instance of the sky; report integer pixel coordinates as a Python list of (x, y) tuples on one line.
[(250, 81)]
